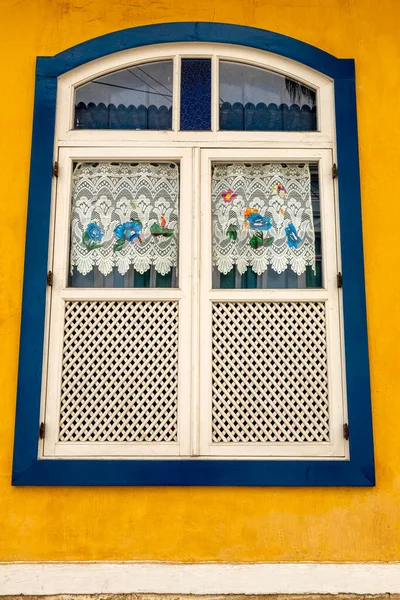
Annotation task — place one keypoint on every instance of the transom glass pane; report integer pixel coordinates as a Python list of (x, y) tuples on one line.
[(138, 97), (124, 224), (266, 225), (195, 94), (257, 99)]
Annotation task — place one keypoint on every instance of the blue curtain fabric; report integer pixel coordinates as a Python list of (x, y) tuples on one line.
[(263, 117), (100, 116), (233, 117)]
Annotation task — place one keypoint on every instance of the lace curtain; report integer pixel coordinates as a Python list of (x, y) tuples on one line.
[(262, 216), (124, 214)]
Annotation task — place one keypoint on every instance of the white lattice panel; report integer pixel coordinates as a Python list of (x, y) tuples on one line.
[(269, 372), (119, 372)]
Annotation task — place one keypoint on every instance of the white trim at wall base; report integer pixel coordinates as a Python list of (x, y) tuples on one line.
[(198, 578)]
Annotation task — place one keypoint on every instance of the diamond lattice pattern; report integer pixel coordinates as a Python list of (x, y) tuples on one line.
[(269, 372), (120, 372)]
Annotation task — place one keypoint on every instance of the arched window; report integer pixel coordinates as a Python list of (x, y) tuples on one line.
[(194, 306)]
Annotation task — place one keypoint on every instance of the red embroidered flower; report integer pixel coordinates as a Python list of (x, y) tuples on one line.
[(279, 190), (228, 196)]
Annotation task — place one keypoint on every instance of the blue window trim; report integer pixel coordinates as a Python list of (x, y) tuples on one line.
[(27, 469)]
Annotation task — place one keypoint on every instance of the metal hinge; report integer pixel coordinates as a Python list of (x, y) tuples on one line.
[(346, 431), (339, 280), (49, 279), (55, 169), (334, 171), (42, 430)]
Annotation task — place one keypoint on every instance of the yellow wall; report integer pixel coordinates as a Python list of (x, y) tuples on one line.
[(226, 524)]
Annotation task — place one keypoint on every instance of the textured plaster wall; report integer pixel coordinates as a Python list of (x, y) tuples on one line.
[(212, 524), (207, 597)]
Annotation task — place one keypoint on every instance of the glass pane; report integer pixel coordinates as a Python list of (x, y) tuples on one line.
[(196, 94), (266, 226), (124, 224), (254, 99), (135, 98)]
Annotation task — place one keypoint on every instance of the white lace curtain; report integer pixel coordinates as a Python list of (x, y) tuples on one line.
[(124, 214), (262, 216)]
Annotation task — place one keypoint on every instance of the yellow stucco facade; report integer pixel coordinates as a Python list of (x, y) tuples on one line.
[(212, 524)]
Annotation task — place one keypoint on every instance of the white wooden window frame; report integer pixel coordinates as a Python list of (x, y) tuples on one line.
[(327, 294), (61, 293), (195, 151)]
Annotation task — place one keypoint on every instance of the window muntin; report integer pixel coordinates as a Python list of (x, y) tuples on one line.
[(256, 99), (139, 97)]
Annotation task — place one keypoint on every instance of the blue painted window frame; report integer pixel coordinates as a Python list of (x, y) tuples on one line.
[(27, 468)]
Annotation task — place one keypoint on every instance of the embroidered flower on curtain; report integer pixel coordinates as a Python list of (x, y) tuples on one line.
[(124, 214), (268, 220)]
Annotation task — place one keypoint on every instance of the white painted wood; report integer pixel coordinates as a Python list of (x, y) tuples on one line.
[(119, 450), (62, 294), (121, 294), (176, 94), (97, 376), (251, 56), (215, 93), (335, 342), (185, 277), (195, 150), (48, 578), (337, 446), (193, 140), (195, 325)]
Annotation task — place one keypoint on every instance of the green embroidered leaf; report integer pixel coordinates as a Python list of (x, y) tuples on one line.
[(119, 245), (257, 240), (157, 230), (88, 242), (232, 232), (268, 242)]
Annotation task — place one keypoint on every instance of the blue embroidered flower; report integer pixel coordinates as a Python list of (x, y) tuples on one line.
[(127, 232), (293, 239), (259, 222), (92, 235), (94, 232)]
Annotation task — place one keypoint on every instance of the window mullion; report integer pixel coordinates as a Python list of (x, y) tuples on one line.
[(195, 325)]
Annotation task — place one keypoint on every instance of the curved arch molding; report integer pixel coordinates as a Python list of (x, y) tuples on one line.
[(221, 33), (27, 469)]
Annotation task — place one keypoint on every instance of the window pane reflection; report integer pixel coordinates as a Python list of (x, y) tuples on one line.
[(266, 226), (124, 224), (138, 97), (257, 99)]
